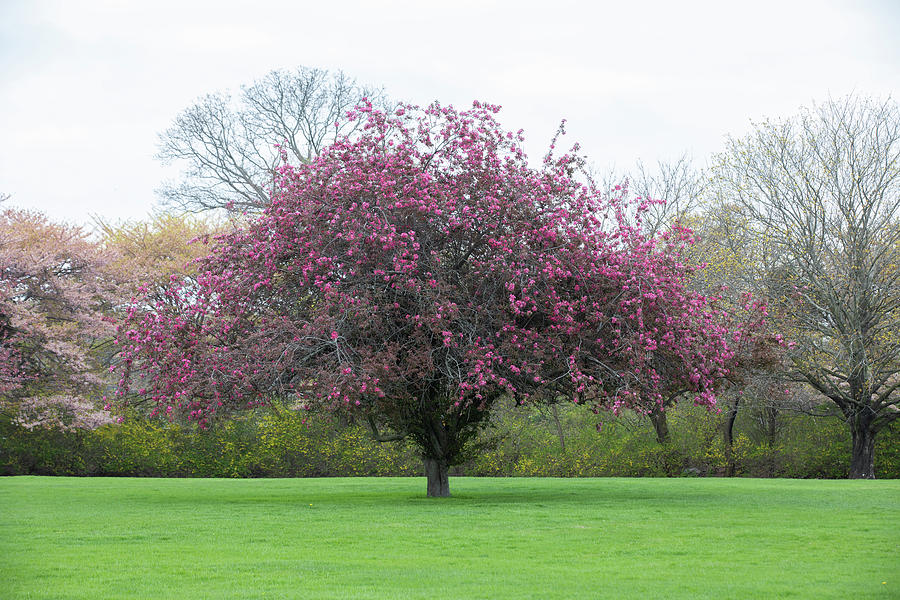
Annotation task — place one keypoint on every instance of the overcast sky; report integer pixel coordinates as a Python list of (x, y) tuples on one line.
[(87, 85)]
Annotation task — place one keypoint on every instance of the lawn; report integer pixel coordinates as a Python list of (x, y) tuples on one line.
[(496, 538)]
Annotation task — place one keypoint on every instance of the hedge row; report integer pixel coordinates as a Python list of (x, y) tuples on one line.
[(264, 445), (520, 442), (788, 445)]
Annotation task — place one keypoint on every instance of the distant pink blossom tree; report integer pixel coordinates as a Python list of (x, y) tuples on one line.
[(416, 274), (11, 375), (55, 328), (61, 412)]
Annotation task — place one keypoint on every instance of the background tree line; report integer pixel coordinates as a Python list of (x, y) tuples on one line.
[(800, 213), (520, 441)]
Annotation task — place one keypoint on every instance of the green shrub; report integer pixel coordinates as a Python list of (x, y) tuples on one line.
[(521, 441), (42, 451)]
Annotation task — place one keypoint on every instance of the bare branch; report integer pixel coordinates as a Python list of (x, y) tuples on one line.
[(229, 148), (822, 193)]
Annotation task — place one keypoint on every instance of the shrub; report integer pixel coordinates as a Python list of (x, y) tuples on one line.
[(521, 441)]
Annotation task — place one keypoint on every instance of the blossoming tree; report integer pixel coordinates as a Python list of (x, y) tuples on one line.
[(55, 301), (416, 274)]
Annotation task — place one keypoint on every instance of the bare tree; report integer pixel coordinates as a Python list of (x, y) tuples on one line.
[(735, 272), (678, 184), (230, 147), (821, 191)]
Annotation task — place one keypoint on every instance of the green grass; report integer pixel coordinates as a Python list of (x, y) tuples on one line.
[(496, 538)]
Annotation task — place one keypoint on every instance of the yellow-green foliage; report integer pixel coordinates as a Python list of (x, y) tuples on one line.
[(135, 448), (804, 447), (150, 252), (521, 442)]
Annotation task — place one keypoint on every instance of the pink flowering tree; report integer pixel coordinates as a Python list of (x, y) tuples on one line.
[(11, 375), (416, 274), (55, 324)]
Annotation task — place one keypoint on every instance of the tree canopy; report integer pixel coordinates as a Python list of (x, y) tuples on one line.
[(418, 272), (55, 321), (821, 192)]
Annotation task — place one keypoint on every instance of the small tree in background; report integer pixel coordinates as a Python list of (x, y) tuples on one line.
[(147, 254), (416, 274), (672, 192), (228, 147), (55, 304)]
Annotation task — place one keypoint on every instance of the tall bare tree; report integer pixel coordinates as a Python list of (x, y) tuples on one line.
[(229, 147), (678, 184), (822, 192)]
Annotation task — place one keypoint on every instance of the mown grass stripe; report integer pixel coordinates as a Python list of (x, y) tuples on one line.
[(496, 538)]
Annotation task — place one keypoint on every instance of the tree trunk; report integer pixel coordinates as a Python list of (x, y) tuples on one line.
[(729, 438), (772, 438), (559, 430), (437, 472), (862, 458), (660, 424)]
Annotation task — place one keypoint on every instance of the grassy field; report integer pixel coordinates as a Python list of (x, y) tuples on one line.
[(496, 538)]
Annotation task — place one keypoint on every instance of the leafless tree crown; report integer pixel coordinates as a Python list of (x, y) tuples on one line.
[(822, 193), (229, 146), (678, 184)]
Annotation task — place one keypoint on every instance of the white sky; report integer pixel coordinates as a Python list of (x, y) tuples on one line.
[(86, 85)]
